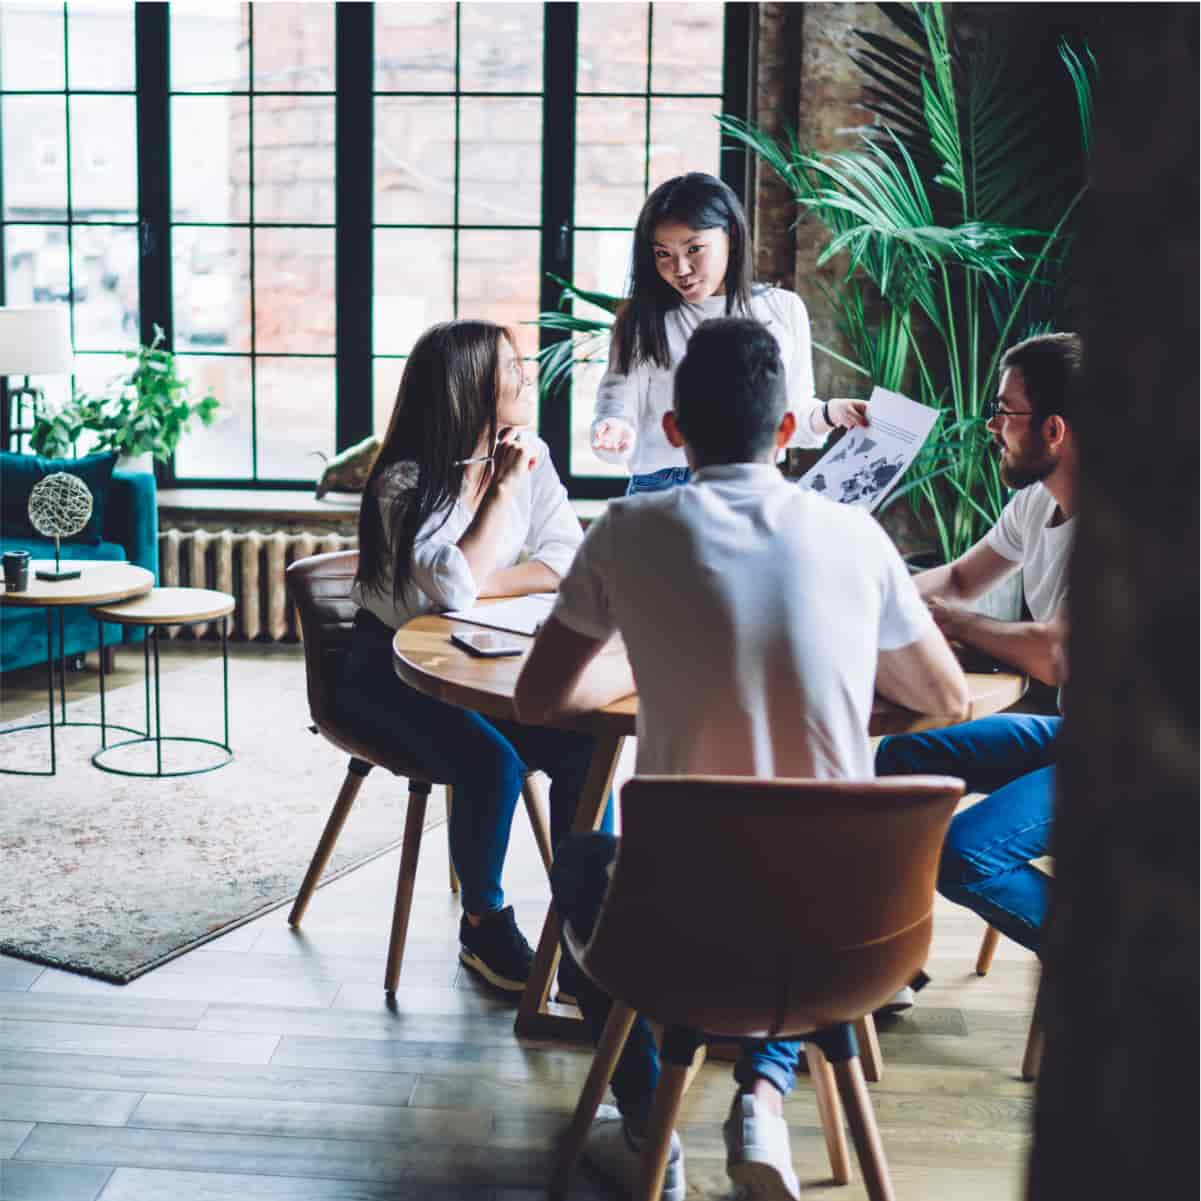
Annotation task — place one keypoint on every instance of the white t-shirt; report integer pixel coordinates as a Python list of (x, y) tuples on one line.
[(642, 397), (1023, 536), (752, 611), (541, 525)]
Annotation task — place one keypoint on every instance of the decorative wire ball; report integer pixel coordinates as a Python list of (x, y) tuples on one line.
[(60, 505)]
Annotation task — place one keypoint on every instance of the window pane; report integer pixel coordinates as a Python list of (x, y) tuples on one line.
[(294, 47), (210, 163), (612, 48), (106, 286), (687, 45), (585, 380), (37, 270), (31, 46), (499, 280), (602, 263), (211, 281), (386, 380), (685, 136), (210, 47), (414, 47), (104, 158), (610, 161), (294, 158), (100, 43), (500, 47), (294, 291), (34, 133), (295, 400), (414, 160), (221, 450), (500, 162), (413, 285), (98, 374)]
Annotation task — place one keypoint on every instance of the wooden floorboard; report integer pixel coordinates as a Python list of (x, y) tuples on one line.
[(266, 1065)]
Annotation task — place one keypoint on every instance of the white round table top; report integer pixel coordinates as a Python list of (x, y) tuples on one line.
[(99, 582), (169, 606)]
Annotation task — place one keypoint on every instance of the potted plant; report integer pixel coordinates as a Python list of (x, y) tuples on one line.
[(139, 414)]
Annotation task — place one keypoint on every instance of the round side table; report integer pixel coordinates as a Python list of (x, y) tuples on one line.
[(167, 607)]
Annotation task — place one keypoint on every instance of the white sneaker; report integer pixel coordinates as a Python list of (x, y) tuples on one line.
[(758, 1157), (901, 1000), (615, 1154)]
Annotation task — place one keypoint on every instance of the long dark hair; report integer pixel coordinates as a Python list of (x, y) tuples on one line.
[(445, 404), (698, 201)]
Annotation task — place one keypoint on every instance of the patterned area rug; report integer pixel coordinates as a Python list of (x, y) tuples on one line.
[(111, 876)]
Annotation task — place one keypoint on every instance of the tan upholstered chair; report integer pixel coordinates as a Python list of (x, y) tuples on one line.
[(319, 587), (763, 909)]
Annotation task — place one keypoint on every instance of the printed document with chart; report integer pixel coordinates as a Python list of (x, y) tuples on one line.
[(862, 467)]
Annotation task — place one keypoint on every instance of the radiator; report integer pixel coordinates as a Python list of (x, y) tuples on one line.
[(248, 564)]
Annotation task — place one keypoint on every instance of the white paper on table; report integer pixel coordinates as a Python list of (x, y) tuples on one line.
[(520, 615), (865, 464)]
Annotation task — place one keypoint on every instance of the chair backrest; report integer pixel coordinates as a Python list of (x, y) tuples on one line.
[(320, 589), (760, 907)]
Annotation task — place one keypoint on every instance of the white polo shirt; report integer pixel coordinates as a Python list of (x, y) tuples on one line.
[(752, 611), (1022, 535)]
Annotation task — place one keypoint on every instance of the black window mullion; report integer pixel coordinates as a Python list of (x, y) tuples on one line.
[(737, 81), (559, 59), (354, 183)]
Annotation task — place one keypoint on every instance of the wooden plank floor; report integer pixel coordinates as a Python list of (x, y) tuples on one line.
[(266, 1066)]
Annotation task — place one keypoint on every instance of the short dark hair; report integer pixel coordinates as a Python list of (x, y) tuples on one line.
[(730, 391), (1052, 367)]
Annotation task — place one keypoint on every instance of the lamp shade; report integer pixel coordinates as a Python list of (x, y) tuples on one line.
[(35, 340)]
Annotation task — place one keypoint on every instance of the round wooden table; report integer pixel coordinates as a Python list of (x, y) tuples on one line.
[(98, 583), (426, 659)]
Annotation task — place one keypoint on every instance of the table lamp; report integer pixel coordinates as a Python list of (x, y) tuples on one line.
[(34, 340)]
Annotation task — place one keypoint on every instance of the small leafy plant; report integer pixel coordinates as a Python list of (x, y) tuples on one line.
[(144, 412)]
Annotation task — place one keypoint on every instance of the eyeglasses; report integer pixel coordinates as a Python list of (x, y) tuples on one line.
[(994, 409)]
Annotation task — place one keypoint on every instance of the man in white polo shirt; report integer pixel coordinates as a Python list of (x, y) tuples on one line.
[(759, 620), (986, 858)]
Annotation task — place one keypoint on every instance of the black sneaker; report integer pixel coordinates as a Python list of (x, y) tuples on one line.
[(567, 988), (496, 950)]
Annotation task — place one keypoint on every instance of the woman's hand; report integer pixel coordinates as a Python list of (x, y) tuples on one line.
[(613, 436), (847, 413), (512, 460)]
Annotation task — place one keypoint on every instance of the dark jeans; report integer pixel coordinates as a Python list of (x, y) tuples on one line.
[(484, 761), (579, 880), (986, 858)]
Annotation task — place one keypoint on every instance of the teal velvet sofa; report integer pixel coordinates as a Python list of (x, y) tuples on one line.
[(124, 525)]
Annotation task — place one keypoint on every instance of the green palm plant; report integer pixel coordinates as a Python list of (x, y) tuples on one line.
[(955, 210)]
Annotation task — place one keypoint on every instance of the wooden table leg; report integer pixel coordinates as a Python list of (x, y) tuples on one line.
[(533, 1019)]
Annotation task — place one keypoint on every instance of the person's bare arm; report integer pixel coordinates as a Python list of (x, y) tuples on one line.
[(520, 579), (924, 676), (567, 673), (1035, 648), (971, 575)]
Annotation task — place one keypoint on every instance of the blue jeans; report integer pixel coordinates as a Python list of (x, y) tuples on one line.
[(484, 761), (986, 858), (579, 880), (658, 481)]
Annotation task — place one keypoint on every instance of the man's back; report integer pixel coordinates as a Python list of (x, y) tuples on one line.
[(752, 611)]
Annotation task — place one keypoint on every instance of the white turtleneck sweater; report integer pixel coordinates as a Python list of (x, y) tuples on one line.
[(641, 398)]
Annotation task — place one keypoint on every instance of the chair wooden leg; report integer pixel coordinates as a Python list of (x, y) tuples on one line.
[(1033, 1055), (829, 1109), (673, 1080), (862, 1120), (988, 948), (419, 792), (532, 795), (355, 775), (869, 1048), (454, 875), (608, 1051)]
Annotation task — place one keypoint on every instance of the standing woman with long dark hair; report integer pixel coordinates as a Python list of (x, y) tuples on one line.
[(692, 261), (437, 529)]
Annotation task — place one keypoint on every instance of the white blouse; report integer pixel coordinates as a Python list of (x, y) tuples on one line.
[(642, 397), (541, 526)]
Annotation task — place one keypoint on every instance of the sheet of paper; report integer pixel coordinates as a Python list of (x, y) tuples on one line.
[(865, 464), (520, 615)]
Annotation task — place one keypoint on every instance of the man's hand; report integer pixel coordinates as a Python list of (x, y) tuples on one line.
[(948, 616)]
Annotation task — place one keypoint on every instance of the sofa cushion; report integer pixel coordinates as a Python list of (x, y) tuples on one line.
[(19, 474), (43, 548)]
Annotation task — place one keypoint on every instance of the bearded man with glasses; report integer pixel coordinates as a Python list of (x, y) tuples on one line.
[(986, 861)]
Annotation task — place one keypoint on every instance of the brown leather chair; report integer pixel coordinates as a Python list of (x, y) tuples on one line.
[(319, 587), (763, 909)]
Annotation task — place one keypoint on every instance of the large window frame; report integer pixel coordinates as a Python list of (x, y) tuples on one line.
[(354, 223)]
